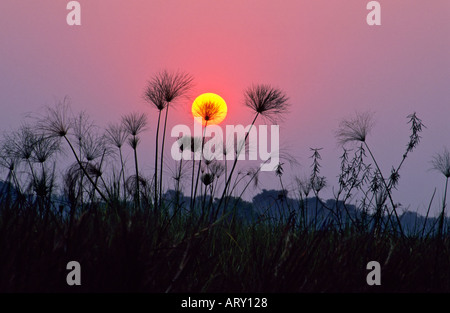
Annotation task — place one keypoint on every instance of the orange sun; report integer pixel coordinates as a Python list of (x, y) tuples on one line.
[(211, 108)]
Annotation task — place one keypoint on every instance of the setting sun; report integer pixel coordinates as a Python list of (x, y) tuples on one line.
[(211, 108)]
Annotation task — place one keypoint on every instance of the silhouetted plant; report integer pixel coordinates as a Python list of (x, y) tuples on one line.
[(207, 179), (184, 144), (71, 187), (356, 129), (317, 182), (21, 144), (44, 149), (304, 188), (269, 102), (133, 182), (206, 111), (417, 127), (116, 135), (195, 145), (56, 123), (9, 162), (95, 150), (441, 163), (165, 88), (135, 124), (354, 177), (93, 147), (197, 250), (82, 127), (234, 146), (279, 171), (154, 94)]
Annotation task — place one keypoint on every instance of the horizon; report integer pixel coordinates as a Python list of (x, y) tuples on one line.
[(329, 64), (245, 147)]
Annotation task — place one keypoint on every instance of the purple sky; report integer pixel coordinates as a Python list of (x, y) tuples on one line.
[(322, 53)]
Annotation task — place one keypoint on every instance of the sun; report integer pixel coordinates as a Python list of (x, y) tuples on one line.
[(210, 107)]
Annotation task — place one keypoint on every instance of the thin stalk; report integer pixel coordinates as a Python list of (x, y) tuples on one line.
[(177, 188), (137, 198), (242, 192), (84, 170), (387, 189), (122, 171), (226, 170), (428, 212), (162, 155), (33, 175), (104, 184), (81, 176), (315, 214), (285, 194), (16, 182), (441, 219), (156, 161), (192, 182), (234, 165), (199, 163), (100, 166)]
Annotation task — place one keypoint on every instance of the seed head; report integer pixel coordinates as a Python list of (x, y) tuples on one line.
[(266, 100)]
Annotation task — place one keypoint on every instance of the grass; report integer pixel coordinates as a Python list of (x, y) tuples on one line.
[(130, 237), (121, 251)]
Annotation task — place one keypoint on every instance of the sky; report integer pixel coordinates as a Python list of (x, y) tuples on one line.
[(323, 54)]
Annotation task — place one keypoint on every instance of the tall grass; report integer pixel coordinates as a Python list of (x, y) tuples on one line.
[(441, 163), (127, 236), (135, 124)]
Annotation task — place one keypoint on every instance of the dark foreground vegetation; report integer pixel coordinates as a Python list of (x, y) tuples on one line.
[(69, 193), (126, 250)]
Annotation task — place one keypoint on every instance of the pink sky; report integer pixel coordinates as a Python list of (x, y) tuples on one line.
[(322, 53)]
